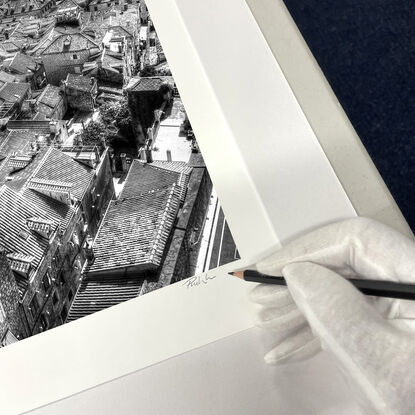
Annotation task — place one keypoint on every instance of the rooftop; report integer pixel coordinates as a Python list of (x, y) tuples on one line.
[(6, 77), (13, 91), (20, 63), (50, 96), (134, 232), (150, 83), (79, 82), (71, 43), (16, 238), (22, 6), (51, 167), (98, 294), (143, 177)]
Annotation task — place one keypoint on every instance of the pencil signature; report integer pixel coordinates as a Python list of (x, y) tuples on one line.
[(198, 280)]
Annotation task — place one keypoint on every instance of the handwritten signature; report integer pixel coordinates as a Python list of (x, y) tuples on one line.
[(198, 280)]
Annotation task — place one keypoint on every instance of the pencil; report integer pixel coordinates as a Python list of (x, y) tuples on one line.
[(378, 288)]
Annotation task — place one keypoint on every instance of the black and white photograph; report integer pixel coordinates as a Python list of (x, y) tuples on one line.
[(104, 194)]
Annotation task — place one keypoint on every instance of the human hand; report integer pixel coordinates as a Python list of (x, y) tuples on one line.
[(373, 347)]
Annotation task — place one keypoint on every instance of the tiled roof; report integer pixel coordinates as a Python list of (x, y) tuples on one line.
[(19, 162), (120, 31), (60, 167), (67, 3), (98, 294), (16, 142), (6, 77), (143, 177), (49, 185), (135, 231), (20, 177), (55, 166), (151, 83), (59, 211), (12, 46), (20, 63), (75, 41), (39, 224), (177, 166), (22, 6), (51, 96), (79, 82), (13, 91), (15, 236), (20, 262), (50, 167)]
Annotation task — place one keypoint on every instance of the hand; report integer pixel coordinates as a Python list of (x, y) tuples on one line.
[(368, 336)]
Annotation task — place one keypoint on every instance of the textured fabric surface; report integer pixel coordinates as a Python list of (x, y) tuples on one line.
[(366, 50), (370, 337)]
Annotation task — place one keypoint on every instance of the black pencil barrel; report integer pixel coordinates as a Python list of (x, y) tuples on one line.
[(378, 288)]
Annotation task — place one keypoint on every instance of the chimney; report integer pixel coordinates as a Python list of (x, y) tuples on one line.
[(52, 127), (142, 154), (168, 152), (97, 155), (123, 158), (150, 135), (149, 156)]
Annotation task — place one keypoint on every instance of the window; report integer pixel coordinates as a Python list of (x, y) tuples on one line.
[(34, 306), (64, 313), (75, 56), (152, 42), (46, 282), (96, 8), (62, 279), (43, 322), (70, 295), (55, 299)]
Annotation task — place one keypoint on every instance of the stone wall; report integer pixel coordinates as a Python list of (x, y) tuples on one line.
[(104, 187), (58, 65), (9, 303), (182, 255), (64, 260)]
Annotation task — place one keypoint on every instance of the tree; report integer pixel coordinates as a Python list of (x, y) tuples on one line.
[(148, 71), (95, 133)]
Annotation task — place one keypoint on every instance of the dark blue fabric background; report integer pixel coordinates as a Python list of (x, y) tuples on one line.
[(366, 49)]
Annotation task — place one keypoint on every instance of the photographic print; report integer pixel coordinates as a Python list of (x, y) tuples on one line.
[(104, 193)]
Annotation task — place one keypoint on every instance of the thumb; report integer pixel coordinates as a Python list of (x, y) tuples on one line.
[(376, 357)]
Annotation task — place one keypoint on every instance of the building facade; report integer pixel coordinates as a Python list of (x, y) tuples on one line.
[(67, 54), (50, 206)]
